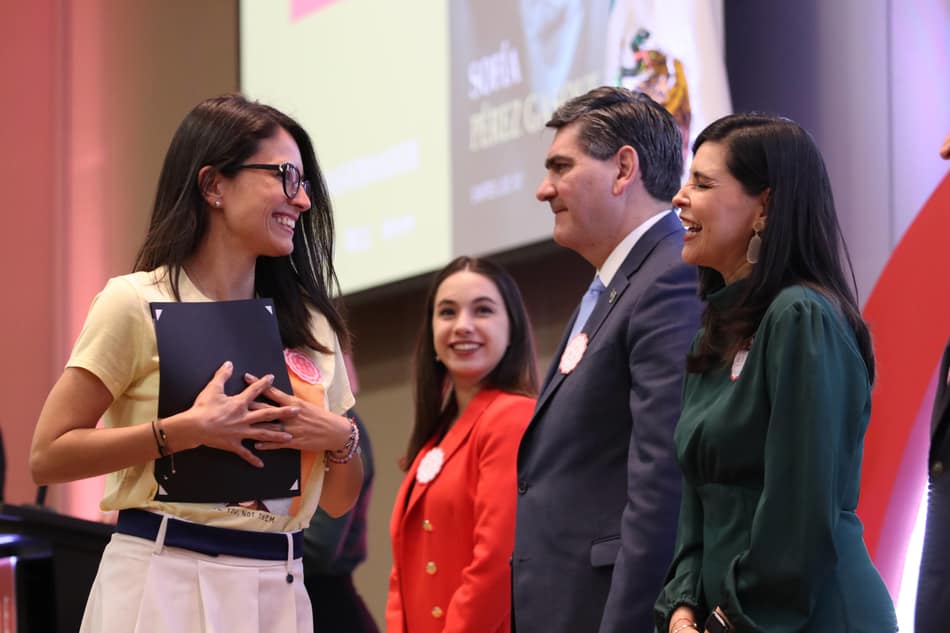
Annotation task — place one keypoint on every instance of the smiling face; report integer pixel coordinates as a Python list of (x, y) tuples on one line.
[(718, 214), (470, 329), (589, 215), (255, 215)]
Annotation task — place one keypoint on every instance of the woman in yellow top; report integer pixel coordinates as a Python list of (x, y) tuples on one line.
[(241, 212)]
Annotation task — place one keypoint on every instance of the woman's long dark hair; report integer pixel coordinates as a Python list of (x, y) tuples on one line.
[(223, 132), (516, 372), (801, 243)]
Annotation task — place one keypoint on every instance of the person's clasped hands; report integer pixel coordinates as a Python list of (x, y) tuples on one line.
[(224, 421), (305, 426)]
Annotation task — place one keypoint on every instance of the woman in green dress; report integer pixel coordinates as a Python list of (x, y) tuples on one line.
[(776, 400)]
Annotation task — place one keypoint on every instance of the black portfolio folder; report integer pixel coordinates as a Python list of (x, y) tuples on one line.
[(194, 340)]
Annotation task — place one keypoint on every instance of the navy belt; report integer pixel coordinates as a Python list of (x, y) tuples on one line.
[(207, 539)]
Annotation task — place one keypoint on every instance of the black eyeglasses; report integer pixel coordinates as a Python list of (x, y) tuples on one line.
[(290, 178)]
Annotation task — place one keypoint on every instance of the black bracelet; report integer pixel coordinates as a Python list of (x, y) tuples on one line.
[(158, 442), (162, 441)]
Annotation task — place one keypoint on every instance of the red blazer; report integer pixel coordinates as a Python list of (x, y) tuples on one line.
[(453, 539)]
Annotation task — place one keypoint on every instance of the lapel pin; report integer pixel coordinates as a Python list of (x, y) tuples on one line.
[(573, 353), (302, 366), (739, 362), (612, 297)]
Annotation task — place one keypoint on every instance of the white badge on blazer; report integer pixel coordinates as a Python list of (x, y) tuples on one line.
[(430, 465)]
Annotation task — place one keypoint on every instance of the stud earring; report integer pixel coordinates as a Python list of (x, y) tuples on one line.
[(755, 242), (217, 203)]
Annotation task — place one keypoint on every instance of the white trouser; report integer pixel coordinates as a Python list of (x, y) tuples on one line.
[(144, 587)]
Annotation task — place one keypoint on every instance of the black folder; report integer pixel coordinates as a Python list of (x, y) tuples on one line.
[(194, 340)]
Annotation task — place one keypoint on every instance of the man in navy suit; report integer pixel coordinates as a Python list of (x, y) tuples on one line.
[(933, 585), (598, 483)]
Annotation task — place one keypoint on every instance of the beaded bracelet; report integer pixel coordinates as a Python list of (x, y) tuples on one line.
[(349, 449)]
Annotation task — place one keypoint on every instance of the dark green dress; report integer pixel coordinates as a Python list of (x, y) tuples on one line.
[(771, 456)]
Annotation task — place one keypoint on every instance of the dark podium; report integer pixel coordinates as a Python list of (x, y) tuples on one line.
[(47, 563)]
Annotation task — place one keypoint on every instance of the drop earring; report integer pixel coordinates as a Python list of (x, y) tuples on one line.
[(755, 242)]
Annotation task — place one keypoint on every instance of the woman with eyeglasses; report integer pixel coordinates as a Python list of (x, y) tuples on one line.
[(241, 212)]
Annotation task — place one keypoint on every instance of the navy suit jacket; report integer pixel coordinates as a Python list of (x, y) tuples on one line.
[(933, 588), (598, 483)]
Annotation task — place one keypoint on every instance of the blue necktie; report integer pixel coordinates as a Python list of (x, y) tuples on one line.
[(588, 302)]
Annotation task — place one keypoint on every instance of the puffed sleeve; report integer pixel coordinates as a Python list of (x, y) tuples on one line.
[(111, 344), (819, 397), (339, 397), (683, 582), (486, 582)]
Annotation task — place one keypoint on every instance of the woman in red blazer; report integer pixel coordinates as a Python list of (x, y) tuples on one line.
[(453, 523)]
